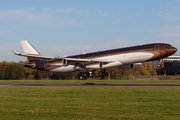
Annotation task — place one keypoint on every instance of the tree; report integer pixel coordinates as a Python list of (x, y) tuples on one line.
[(149, 69), (2, 70), (31, 73), (138, 70), (19, 70), (10, 71)]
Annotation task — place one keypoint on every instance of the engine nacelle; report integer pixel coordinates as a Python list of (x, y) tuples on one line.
[(126, 66), (100, 64), (65, 62)]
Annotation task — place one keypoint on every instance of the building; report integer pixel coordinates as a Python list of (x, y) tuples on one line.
[(172, 68), (172, 65), (172, 58)]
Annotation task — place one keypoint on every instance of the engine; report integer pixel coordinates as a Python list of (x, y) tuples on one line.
[(126, 66), (100, 64), (65, 62)]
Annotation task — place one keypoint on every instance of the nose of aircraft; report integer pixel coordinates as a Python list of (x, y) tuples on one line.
[(174, 50), (171, 51)]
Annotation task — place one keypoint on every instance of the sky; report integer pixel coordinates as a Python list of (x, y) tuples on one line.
[(67, 27)]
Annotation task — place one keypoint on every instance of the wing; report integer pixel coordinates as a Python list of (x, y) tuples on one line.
[(81, 62), (34, 56)]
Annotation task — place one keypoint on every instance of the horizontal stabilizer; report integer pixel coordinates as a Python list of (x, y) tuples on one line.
[(31, 65), (33, 56)]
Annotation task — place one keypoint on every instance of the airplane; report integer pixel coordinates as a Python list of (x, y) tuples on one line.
[(122, 58)]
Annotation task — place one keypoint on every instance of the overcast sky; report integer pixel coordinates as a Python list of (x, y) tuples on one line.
[(66, 27)]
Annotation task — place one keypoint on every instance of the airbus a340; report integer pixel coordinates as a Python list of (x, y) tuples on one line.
[(121, 57)]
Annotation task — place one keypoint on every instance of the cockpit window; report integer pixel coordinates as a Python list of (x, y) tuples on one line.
[(168, 46)]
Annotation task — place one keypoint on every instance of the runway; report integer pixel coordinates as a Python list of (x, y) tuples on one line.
[(96, 85)]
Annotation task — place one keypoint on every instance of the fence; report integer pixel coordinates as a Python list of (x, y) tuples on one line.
[(148, 78)]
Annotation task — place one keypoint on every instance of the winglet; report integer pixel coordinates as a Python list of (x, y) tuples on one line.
[(16, 53)]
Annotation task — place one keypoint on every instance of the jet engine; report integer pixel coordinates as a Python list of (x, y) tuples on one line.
[(100, 64), (65, 62)]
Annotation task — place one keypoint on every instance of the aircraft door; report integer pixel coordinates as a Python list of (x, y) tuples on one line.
[(156, 47)]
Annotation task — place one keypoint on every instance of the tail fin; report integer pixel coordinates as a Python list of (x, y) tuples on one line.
[(29, 50)]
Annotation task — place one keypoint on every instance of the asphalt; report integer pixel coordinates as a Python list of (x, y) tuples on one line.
[(96, 85)]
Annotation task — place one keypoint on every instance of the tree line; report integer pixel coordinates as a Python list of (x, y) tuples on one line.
[(8, 70)]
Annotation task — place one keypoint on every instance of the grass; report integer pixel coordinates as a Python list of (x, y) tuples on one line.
[(90, 81), (87, 103)]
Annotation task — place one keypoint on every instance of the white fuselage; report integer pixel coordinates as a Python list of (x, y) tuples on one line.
[(119, 60)]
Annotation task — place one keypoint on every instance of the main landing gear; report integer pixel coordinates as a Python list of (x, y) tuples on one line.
[(85, 75), (102, 74)]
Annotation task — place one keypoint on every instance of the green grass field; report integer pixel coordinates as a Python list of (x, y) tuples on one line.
[(87, 103), (89, 81)]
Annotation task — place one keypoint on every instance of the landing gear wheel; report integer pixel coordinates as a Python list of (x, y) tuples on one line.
[(101, 74), (81, 77), (100, 77)]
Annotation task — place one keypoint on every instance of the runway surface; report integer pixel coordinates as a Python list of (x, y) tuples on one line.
[(96, 85)]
